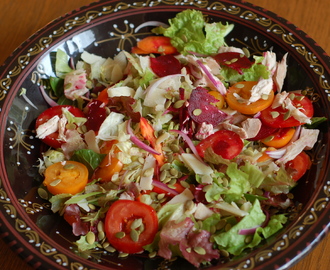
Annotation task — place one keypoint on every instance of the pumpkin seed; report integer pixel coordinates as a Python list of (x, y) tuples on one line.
[(160, 196), (136, 223), (105, 245), (169, 157), (134, 235), (188, 249), (148, 172), (168, 103), (264, 96), (120, 235), (173, 172), (275, 114), (178, 104), (239, 85), (269, 138), (100, 226), (110, 249), (225, 182), (90, 238), (162, 138), (70, 126), (167, 180), (221, 224), (227, 227), (213, 229), (224, 253), (189, 205), (166, 167), (286, 115), (101, 236), (290, 196), (122, 255), (228, 62), (141, 160), (197, 112), (200, 250), (246, 52), (69, 166), (163, 176), (184, 184), (175, 148), (43, 194), (299, 98), (248, 239), (91, 206), (55, 182), (234, 60), (292, 96), (168, 96), (152, 254), (207, 188)]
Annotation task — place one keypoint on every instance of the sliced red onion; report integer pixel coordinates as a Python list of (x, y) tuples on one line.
[(276, 153), (150, 23), (214, 80), (49, 101), (138, 142), (265, 223), (281, 151), (248, 231), (257, 115), (164, 187), (153, 87), (29, 101), (188, 141)]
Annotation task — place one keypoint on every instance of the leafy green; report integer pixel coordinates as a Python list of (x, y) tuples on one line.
[(190, 33), (274, 225), (315, 122), (89, 158), (255, 175), (57, 85), (83, 245), (77, 198), (61, 64), (234, 242), (58, 201), (254, 73)]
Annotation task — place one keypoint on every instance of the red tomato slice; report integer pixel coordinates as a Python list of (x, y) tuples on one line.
[(224, 143), (277, 117), (52, 139), (298, 166), (120, 217)]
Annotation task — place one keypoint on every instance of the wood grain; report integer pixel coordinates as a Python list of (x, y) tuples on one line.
[(20, 19)]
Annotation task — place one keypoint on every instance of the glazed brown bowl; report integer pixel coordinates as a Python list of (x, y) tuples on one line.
[(104, 28)]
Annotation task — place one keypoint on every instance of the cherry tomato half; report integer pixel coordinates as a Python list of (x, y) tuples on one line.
[(52, 139), (224, 143), (298, 166), (277, 117), (118, 225)]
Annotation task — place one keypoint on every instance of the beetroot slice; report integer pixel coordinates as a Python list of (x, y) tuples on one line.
[(165, 65), (233, 60), (263, 133), (201, 110)]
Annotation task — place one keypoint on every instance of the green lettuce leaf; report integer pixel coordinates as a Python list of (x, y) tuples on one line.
[(234, 242), (61, 64), (89, 158), (189, 32)]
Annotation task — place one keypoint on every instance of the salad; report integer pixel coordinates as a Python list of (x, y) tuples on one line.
[(184, 146)]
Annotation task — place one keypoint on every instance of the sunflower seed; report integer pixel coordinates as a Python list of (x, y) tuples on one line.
[(90, 238)]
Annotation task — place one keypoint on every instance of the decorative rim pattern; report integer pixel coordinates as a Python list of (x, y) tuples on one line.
[(34, 245)]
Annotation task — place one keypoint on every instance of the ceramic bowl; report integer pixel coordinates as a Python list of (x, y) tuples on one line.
[(105, 28)]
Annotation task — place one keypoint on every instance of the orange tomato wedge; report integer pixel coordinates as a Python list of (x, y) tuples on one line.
[(243, 89), (66, 177), (280, 138), (110, 164), (155, 44)]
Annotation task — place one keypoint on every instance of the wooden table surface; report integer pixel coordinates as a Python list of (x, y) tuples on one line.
[(20, 19)]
